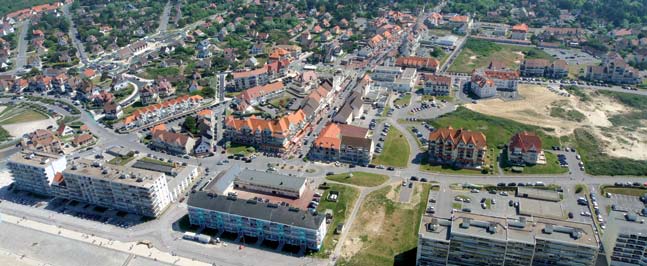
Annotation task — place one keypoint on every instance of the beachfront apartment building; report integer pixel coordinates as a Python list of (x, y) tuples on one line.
[(525, 148), (343, 143), (625, 239), (485, 82), (127, 189), (483, 240), (433, 84), (544, 68), (275, 136), (459, 147), (35, 171), (613, 69), (265, 221)]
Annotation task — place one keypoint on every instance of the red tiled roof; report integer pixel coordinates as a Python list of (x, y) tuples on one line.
[(520, 27), (245, 74), (525, 141), (417, 62), (475, 138)]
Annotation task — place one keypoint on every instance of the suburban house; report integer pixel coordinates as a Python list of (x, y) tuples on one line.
[(204, 147), (171, 142), (64, 130), (343, 143), (42, 140), (544, 68), (525, 148), (82, 140), (485, 82), (433, 84), (519, 32), (149, 95), (458, 147), (112, 111), (276, 136)]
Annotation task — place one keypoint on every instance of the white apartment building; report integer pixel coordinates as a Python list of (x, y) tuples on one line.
[(35, 171), (625, 239)]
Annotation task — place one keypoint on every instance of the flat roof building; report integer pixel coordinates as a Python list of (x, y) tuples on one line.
[(473, 239), (270, 183), (35, 171), (265, 221), (625, 239), (539, 194), (112, 186)]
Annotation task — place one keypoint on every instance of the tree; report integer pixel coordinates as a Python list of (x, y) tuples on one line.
[(191, 124)]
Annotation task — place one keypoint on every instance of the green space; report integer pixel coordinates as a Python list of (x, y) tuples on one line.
[(579, 188), (403, 100), (425, 165), (157, 72), (551, 166), (121, 160), (341, 209), (396, 150), (396, 238), (629, 191), (4, 135), (240, 149), (457, 206), (386, 110), (359, 179), (281, 103), (634, 119), (478, 53), (23, 116), (567, 114), (156, 161), (120, 95)]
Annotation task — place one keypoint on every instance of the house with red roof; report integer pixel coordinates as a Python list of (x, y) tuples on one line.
[(485, 82), (153, 113), (171, 142), (343, 143), (525, 148), (272, 135), (519, 32), (459, 147), (256, 95)]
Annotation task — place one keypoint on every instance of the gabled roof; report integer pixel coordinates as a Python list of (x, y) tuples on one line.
[(525, 141), (259, 91), (520, 27), (475, 138)]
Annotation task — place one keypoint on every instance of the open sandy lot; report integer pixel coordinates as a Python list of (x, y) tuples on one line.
[(535, 109), (19, 129)]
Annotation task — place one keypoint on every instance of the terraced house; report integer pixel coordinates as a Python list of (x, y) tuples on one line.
[(276, 136), (459, 147), (153, 113)]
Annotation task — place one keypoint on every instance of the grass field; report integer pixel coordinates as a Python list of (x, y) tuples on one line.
[(4, 135), (551, 166), (629, 191), (341, 209), (23, 116), (156, 161), (405, 99), (479, 53), (359, 179), (392, 238), (120, 160), (396, 150)]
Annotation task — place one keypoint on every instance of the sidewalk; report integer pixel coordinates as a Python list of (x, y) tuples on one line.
[(133, 248)]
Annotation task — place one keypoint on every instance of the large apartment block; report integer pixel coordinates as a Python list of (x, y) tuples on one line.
[(485, 82), (275, 136), (544, 68), (472, 239), (127, 189), (614, 69), (251, 78), (343, 143), (625, 239), (35, 171), (249, 218), (460, 147)]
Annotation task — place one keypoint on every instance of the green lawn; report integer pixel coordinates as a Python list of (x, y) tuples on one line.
[(405, 99), (155, 161), (551, 166), (239, 149), (630, 191), (359, 179), (396, 240), (478, 53), (23, 116), (341, 209), (4, 135), (396, 150), (157, 72), (121, 160)]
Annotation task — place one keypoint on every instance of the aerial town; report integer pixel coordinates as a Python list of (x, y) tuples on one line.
[(323, 132)]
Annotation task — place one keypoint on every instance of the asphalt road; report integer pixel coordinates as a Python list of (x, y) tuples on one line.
[(23, 43), (73, 34), (163, 24)]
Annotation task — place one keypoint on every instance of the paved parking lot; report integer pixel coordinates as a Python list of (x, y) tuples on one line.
[(622, 202), (573, 56)]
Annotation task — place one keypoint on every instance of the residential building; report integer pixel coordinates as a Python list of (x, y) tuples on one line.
[(204, 146), (353, 108), (251, 78), (419, 63), (544, 68), (525, 148), (473, 239), (43, 141), (272, 184), (112, 111), (406, 81), (343, 143), (265, 221), (258, 94), (519, 32), (123, 188), (459, 147), (613, 70), (625, 239), (171, 142), (386, 74), (154, 113), (82, 140), (276, 136), (35, 171), (149, 95), (485, 82), (433, 84)]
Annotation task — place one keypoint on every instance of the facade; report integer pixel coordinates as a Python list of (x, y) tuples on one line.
[(353, 108), (485, 82), (343, 143), (251, 78), (35, 171), (131, 190), (265, 221), (459, 147), (544, 68), (625, 239), (519, 32), (154, 113), (433, 84), (275, 136), (614, 70), (171, 142), (270, 184), (258, 94), (471, 239), (525, 148)]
